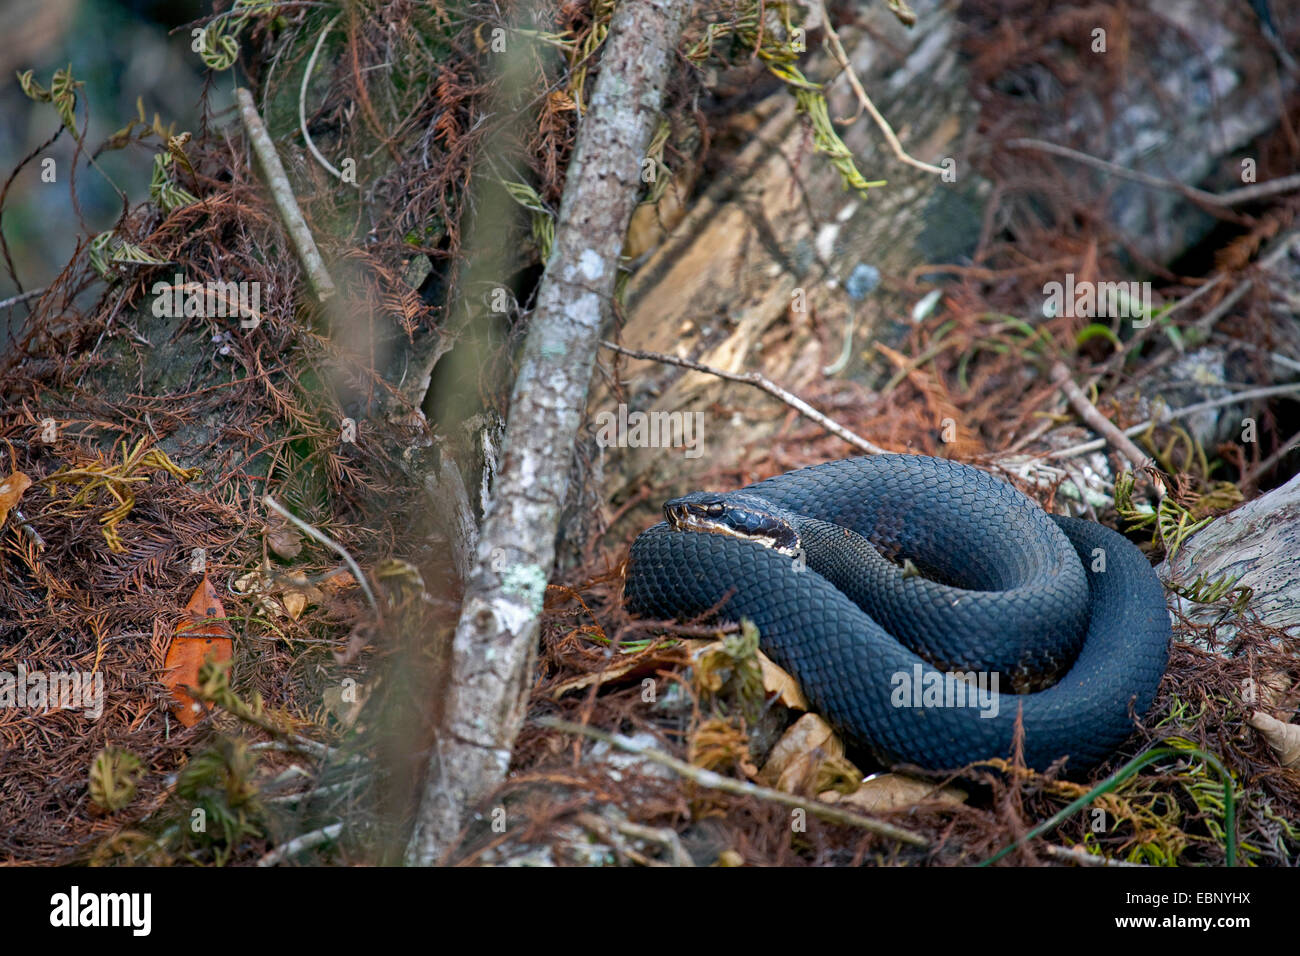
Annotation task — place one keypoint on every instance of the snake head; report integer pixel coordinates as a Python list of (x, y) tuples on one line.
[(736, 515)]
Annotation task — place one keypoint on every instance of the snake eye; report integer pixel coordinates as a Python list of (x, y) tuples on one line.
[(714, 509)]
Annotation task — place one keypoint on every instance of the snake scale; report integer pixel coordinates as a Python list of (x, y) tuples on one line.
[(922, 605)]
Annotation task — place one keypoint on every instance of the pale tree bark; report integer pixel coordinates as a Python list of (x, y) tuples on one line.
[(494, 648)]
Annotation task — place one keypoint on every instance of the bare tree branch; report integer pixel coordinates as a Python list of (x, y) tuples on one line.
[(864, 101), (495, 643), (285, 202), (1096, 420), (764, 383), (1266, 391), (1233, 197)]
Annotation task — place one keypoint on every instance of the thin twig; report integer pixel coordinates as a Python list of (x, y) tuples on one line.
[(1232, 197), (1211, 318), (315, 792), (1233, 399), (740, 788), (1251, 477), (1186, 300), (302, 101), (864, 101), (329, 542), (285, 202), (1115, 363), (1284, 57), (20, 298), (1275, 255), (761, 382), (1206, 322), (1095, 419)]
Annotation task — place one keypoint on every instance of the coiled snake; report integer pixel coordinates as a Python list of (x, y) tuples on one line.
[(996, 607)]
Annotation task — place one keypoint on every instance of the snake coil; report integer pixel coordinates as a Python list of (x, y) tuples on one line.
[(928, 668)]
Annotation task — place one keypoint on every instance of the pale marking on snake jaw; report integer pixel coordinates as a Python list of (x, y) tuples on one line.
[(690, 522)]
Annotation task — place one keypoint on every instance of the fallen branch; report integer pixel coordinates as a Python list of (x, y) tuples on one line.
[(1249, 394), (1096, 420), (761, 382), (282, 193), (495, 643), (741, 788)]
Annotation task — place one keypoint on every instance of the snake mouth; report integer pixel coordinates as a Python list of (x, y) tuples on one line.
[(735, 516)]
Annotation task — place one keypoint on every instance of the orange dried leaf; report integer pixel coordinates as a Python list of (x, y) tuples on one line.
[(204, 634), (11, 489)]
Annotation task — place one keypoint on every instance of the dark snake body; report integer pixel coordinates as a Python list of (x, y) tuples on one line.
[(1005, 588)]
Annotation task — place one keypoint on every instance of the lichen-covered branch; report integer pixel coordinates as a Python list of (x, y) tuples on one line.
[(495, 643)]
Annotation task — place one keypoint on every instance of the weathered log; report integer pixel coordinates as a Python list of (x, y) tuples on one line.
[(1258, 545)]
